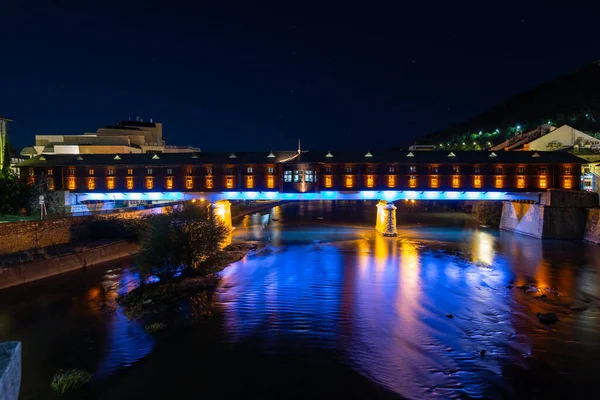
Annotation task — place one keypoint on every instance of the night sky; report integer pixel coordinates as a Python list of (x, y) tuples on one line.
[(236, 76)]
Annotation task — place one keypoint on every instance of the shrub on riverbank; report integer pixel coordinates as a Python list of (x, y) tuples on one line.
[(488, 212), (155, 327), (67, 381)]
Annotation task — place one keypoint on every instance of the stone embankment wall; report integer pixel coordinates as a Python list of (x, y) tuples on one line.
[(592, 226), (561, 214), (10, 370), (23, 273)]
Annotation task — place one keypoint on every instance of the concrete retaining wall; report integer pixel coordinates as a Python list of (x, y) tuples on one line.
[(23, 273), (10, 370), (592, 226), (526, 219)]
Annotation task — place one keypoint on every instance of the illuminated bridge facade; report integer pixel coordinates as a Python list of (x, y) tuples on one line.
[(326, 175)]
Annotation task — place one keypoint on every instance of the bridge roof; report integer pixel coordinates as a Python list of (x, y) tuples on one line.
[(326, 157)]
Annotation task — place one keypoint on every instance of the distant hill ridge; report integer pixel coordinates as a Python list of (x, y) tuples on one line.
[(572, 99)]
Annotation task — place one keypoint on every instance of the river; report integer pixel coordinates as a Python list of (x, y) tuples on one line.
[(331, 309)]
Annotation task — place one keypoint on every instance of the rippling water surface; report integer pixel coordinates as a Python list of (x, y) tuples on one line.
[(330, 308)]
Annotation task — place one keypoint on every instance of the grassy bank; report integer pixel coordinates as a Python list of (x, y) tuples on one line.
[(159, 297)]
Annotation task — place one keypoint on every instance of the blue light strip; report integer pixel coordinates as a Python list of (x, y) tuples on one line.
[(388, 195)]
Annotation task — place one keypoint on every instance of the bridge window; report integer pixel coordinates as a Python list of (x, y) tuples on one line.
[(149, 171), (169, 182), (499, 182), (169, 171), (455, 181), (229, 171), (521, 170), (49, 172), (110, 171), (110, 182), (71, 171), (434, 181), (270, 181), (149, 182), (567, 182), (229, 182), (412, 181), (543, 170), (369, 170), (91, 183), (188, 170), (370, 181), (477, 169), (499, 170), (543, 182), (249, 170), (250, 181), (348, 170), (31, 172), (298, 176), (391, 170), (50, 184), (520, 182), (189, 182), (349, 181), (209, 182), (130, 171), (208, 170), (456, 169), (91, 171), (391, 181), (129, 182), (412, 169), (568, 171), (309, 176), (434, 170), (327, 170), (477, 183), (71, 183), (287, 176), (270, 170), (328, 181)]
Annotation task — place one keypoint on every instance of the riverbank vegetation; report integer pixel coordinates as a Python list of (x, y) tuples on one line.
[(70, 380), (488, 212)]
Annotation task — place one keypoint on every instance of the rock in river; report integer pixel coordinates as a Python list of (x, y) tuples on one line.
[(547, 318)]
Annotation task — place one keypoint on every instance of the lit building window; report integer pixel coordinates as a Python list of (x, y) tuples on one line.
[(129, 182), (309, 176), (169, 183), (110, 183), (568, 171), (298, 176), (209, 182), (477, 182), (208, 170), (567, 182), (149, 182), (521, 170), (270, 170), (391, 181), (370, 181), (91, 171), (412, 169), (456, 169), (189, 182), (543, 170), (349, 181), (50, 184), (270, 181), (520, 182), (50, 172), (250, 181), (249, 170), (130, 171), (229, 182), (434, 181), (499, 182), (543, 182), (188, 170), (391, 170), (455, 181), (31, 172), (110, 171), (412, 181), (71, 183), (91, 183), (149, 171), (287, 176), (71, 171), (328, 181), (169, 171)]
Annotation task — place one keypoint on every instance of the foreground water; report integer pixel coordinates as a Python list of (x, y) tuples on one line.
[(330, 308)]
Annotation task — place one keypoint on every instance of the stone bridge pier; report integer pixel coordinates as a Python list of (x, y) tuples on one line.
[(222, 211), (386, 219)]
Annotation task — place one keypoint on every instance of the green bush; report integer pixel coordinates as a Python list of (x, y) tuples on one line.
[(488, 212), (73, 379), (155, 327)]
